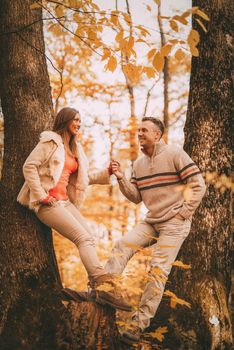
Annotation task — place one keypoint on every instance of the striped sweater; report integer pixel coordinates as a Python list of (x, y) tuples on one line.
[(156, 181)]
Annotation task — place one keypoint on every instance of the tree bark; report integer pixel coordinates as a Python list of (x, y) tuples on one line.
[(32, 314), (93, 326), (207, 325)]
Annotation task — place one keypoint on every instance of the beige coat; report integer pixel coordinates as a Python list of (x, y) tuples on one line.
[(43, 168)]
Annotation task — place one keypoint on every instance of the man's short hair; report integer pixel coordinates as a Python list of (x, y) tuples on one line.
[(156, 122)]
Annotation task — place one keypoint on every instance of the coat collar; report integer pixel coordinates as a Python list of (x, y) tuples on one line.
[(51, 135)]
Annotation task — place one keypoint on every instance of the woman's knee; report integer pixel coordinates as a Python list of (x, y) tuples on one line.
[(82, 238)]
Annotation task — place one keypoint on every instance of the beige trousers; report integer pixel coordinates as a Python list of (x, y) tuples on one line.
[(66, 219), (170, 236)]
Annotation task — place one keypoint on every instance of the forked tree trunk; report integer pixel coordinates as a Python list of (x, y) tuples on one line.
[(32, 314), (207, 325)]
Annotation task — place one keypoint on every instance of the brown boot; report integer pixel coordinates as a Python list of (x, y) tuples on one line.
[(107, 294)]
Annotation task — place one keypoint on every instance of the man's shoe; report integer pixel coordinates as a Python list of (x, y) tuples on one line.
[(131, 337)]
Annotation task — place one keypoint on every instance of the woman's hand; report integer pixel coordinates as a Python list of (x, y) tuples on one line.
[(116, 169), (48, 201)]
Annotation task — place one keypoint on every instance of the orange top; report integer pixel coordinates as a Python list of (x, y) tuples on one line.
[(59, 192)]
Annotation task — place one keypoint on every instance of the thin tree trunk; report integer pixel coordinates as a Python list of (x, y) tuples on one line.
[(166, 79)]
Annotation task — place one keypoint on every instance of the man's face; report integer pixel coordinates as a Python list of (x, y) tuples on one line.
[(148, 134)]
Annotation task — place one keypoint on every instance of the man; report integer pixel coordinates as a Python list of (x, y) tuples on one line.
[(155, 179)]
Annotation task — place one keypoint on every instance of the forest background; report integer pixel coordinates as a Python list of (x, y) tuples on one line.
[(116, 62)]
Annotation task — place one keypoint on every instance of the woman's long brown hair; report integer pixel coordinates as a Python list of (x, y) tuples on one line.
[(61, 122)]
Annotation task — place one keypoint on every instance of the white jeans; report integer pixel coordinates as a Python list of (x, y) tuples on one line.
[(171, 235)]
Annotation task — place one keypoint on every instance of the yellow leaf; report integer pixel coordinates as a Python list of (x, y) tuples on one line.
[(174, 26), (95, 6), (201, 24), (119, 36), (158, 333), (181, 264), (174, 41), (150, 72), (92, 35), (105, 287), (114, 18), (151, 53), (194, 51), (202, 14), (59, 11), (158, 62), (127, 18), (165, 50), (144, 31), (193, 37), (56, 29), (106, 54), (180, 19), (111, 64), (142, 41), (131, 42), (34, 6), (175, 300), (186, 14), (158, 2), (148, 8), (179, 55)]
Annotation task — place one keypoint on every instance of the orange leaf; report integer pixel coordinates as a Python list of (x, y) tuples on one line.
[(193, 37), (158, 62), (174, 26), (106, 54), (202, 14), (150, 72), (111, 64), (119, 36), (180, 19), (127, 18), (182, 265), (179, 55), (165, 50), (151, 53), (194, 51), (201, 24)]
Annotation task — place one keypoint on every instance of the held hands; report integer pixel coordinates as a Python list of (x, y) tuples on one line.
[(116, 169)]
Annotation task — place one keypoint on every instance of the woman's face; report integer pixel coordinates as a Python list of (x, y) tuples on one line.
[(74, 125)]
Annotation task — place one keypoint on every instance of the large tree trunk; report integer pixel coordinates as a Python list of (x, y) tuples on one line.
[(207, 325), (30, 306)]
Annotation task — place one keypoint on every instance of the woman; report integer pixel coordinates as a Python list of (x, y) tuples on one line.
[(56, 177)]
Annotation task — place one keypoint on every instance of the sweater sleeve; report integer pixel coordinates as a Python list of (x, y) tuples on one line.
[(30, 170), (190, 174), (129, 188)]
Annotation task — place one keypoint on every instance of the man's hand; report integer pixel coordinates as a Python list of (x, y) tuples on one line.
[(180, 217), (116, 169)]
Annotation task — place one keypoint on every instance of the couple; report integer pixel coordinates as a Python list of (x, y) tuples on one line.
[(56, 177)]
